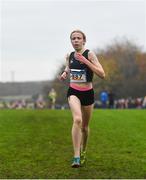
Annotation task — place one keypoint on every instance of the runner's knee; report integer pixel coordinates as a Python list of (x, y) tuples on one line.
[(78, 120), (85, 129)]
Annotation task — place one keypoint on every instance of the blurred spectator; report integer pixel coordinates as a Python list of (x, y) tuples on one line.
[(104, 98), (1, 105), (138, 103), (40, 103), (111, 97), (52, 96), (97, 104), (144, 102)]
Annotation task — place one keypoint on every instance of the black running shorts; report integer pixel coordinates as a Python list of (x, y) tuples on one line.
[(86, 97)]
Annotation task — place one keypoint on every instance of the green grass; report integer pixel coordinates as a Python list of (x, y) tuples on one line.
[(37, 144)]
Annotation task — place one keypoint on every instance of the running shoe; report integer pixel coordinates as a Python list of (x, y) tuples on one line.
[(83, 157), (76, 162)]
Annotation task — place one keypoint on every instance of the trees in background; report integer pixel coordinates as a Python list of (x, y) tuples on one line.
[(125, 66)]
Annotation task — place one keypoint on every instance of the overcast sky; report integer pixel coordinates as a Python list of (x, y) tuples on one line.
[(34, 34)]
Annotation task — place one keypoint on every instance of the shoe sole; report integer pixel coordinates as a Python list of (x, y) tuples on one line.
[(75, 166)]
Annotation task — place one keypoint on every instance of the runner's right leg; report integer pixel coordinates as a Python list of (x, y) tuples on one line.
[(75, 107)]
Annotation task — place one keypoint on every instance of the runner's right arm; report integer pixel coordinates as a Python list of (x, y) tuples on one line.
[(64, 74)]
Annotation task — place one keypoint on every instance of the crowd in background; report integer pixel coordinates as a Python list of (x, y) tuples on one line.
[(123, 103), (107, 100)]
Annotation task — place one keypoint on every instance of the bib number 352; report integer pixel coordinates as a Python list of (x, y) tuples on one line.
[(78, 75)]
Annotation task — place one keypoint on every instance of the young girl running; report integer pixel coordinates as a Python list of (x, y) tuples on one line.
[(81, 64)]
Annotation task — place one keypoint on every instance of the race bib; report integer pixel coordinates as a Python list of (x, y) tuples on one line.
[(78, 75)]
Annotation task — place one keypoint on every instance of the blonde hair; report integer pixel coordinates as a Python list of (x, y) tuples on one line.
[(79, 31)]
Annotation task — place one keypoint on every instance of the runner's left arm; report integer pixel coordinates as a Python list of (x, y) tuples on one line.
[(92, 63)]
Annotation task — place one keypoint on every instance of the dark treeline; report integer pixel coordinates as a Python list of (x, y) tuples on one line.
[(125, 67)]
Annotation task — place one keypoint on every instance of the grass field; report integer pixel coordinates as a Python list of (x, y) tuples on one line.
[(37, 144)]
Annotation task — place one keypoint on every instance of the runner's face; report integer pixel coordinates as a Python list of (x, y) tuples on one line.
[(77, 41)]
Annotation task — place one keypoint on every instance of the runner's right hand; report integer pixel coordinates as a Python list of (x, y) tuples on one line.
[(63, 76)]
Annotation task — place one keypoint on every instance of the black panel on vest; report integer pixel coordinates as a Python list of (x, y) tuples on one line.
[(75, 64)]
